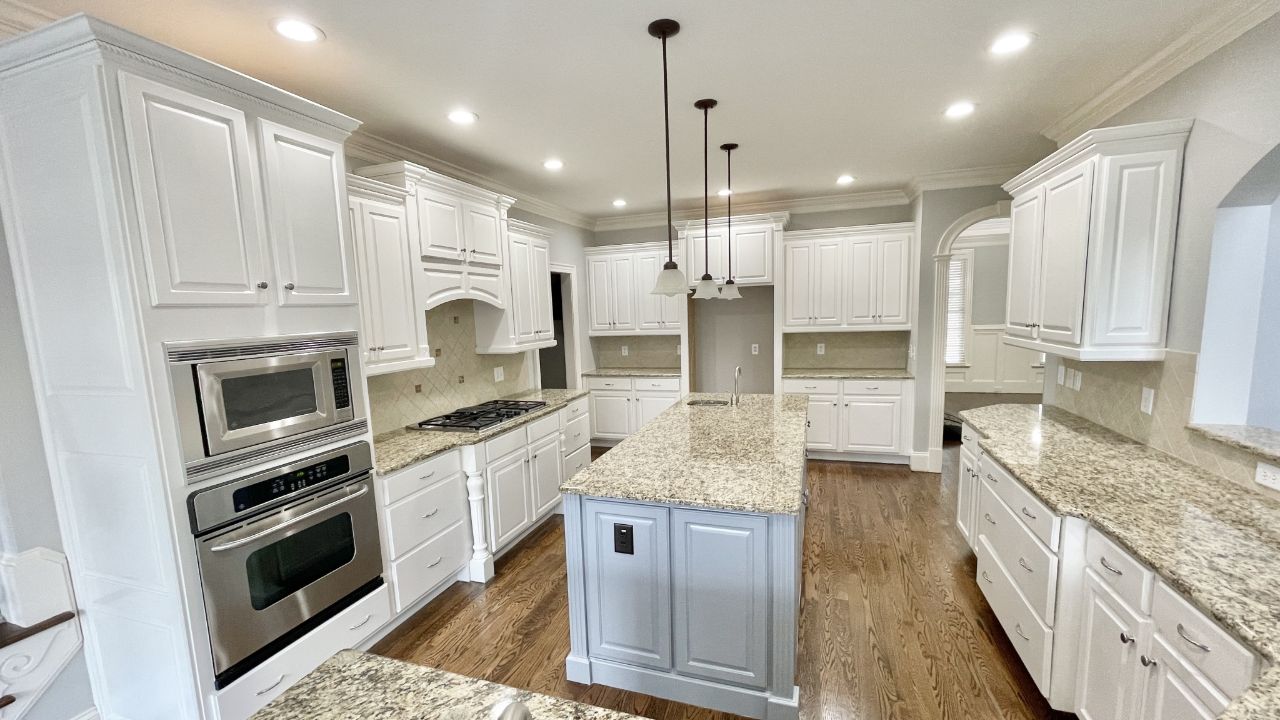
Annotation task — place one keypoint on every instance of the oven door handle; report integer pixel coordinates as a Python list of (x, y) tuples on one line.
[(287, 523)]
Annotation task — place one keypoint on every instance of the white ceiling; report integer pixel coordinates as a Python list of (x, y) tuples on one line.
[(809, 89)]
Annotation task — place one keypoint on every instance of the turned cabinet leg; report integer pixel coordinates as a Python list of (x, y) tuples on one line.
[(481, 566)]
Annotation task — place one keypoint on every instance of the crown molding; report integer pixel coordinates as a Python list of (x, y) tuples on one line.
[(823, 203), (1205, 37), (18, 17), (969, 177)]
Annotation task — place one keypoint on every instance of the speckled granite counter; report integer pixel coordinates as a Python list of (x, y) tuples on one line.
[(847, 373), (402, 448), (1259, 440), (357, 685), (633, 372), (750, 457), (1217, 543)]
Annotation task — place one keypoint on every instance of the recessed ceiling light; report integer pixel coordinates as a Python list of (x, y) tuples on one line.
[(844, 180), (619, 203), (1010, 43), (725, 192), (961, 109), (463, 117), (299, 30), (553, 164)]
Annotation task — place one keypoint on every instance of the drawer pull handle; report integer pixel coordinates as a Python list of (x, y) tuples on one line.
[(577, 434), (1125, 638), (431, 514), (1147, 662), (437, 562), (272, 686), (992, 479), (966, 438), (361, 624), (1018, 629), (986, 577), (1028, 513), (1103, 560), (1182, 633), (873, 387), (988, 517), (428, 476), (1024, 565), (810, 387)]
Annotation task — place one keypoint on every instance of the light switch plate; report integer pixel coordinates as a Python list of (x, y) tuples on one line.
[(1062, 374), (755, 348), (625, 351), (498, 374), (1148, 400), (1268, 476), (1079, 380), (822, 348)]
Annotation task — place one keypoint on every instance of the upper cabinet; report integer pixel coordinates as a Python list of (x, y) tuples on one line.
[(619, 301), (854, 278), (526, 322), (1091, 244), (748, 245)]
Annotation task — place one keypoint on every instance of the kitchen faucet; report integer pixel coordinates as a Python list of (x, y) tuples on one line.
[(737, 373)]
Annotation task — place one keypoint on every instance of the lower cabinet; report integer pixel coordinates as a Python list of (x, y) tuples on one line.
[(824, 422), (1107, 683), (507, 485), (1174, 690), (546, 462), (622, 405), (856, 416), (967, 495), (871, 423), (523, 470)]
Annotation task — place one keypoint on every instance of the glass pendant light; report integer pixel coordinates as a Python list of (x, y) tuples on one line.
[(730, 289), (707, 288), (671, 281)]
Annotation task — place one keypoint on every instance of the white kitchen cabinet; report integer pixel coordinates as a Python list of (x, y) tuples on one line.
[(544, 325), (854, 278), (622, 405), (440, 224), (547, 465), (748, 244), (1111, 633), (824, 422), (611, 413), (813, 293), (860, 271), (649, 404), (1091, 246), (703, 255), (611, 293), (798, 284), (507, 482), (872, 423), (1174, 691), (967, 495), (655, 314), (483, 232), (893, 280), (524, 320), (854, 416)]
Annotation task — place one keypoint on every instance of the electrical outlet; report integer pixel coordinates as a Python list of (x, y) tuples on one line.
[(1079, 380), (755, 348), (1268, 476), (625, 351), (499, 373), (1148, 400), (822, 348), (1062, 374)]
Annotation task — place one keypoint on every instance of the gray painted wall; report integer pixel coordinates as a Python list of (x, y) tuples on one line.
[(1264, 403), (990, 284), (722, 334)]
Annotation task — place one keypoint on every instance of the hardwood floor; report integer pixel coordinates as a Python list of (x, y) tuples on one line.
[(893, 624)]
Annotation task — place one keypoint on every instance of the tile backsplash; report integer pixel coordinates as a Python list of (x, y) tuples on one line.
[(846, 350), (460, 376), (643, 351)]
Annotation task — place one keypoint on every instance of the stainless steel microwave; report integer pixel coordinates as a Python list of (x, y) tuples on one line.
[(248, 400)]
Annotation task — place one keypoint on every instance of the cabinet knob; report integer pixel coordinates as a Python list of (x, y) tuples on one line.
[(1126, 638), (1147, 662), (288, 286), (263, 285)]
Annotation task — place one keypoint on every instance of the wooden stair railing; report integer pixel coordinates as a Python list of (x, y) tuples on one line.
[(10, 633)]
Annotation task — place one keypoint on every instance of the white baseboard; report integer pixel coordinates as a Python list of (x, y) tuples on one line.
[(929, 461), (857, 457), (90, 714)]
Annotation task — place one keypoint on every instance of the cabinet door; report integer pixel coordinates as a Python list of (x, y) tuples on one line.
[(628, 594), (720, 585), (1174, 692), (824, 423), (198, 197), (827, 306), (440, 225), (860, 279), (966, 490), (650, 404), (798, 270), (384, 232), (1025, 224), (520, 270), (600, 292), (510, 505), (622, 277), (545, 460), (1107, 676), (751, 262), (482, 233), (306, 199), (610, 413), (540, 272), (1067, 199), (893, 279), (871, 423), (707, 255), (649, 307)]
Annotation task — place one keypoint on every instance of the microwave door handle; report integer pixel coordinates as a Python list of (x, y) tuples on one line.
[(287, 523)]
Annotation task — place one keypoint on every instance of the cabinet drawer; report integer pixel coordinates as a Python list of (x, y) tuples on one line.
[(1032, 566), (1226, 662), (608, 383), (1033, 513), (576, 409), (542, 427), (419, 517), (505, 444), (415, 574), (403, 483), (1119, 570), (668, 384), (811, 387), (970, 437), (577, 433), (575, 461), (872, 387), (1031, 638), (264, 683)]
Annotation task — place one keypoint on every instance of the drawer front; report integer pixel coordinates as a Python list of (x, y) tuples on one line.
[(419, 517), (1122, 573), (505, 444), (1032, 639), (264, 683), (811, 387), (403, 483), (574, 410), (575, 461), (873, 387), (969, 437), (666, 384), (608, 383), (1032, 566), (577, 433), (421, 570), (1227, 663), (542, 427), (1033, 513)]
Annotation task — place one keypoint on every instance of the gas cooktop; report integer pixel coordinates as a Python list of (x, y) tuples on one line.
[(479, 417)]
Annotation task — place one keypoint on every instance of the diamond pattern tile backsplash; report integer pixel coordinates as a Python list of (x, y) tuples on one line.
[(643, 351), (394, 401), (871, 349)]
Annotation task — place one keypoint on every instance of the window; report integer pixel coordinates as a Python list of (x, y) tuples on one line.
[(959, 294)]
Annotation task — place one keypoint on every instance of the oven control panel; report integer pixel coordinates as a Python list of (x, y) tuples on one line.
[(264, 491)]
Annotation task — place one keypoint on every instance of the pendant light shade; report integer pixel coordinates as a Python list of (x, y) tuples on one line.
[(707, 288), (671, 281), (730, 289)]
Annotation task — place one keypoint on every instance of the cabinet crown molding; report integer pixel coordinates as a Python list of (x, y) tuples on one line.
[(1162, 133), (368, 188), (412, 175), (779, 220), (627, 248), (850, 230), (528, 228)]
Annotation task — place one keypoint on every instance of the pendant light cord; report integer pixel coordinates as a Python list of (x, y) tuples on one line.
[(666, 124), (728, 225), (706, 191)]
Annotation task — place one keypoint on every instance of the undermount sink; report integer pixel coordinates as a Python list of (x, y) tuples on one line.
[(707, 403)]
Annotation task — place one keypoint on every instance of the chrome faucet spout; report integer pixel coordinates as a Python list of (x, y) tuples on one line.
[(737, 374)]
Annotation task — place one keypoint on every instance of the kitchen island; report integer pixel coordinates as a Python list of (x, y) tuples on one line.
[(683, 548)]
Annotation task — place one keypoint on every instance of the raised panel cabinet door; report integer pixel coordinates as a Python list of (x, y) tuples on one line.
[(860, 277), (1173, 692), (966, 489), (1067, 200), (545, 459), (707, 255), (440, 225), (828, 305), (198, 197), (600, 293), (628, 595), (610, 414), (510, 504), (367, 281), (893, 279), (751, 262), (1107, 685), (1025, 224), (306, 199), (720, 591), (650, 405), (520, 270), (871, 423), (386, 238), (824, 423), (622, 277), (540, 272), (482, 233), (798, 269), (649, 307)]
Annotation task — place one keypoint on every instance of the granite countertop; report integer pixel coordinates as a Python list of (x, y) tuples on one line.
[(402, 448), (633, 372), (1215, 542), (353, 684), (748, 458), (1259, 440), (847, 373)]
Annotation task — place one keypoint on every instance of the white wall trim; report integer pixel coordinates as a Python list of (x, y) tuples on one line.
[(573, 322), (968, 177), (823, 203), (18, 17), (1229, 21)]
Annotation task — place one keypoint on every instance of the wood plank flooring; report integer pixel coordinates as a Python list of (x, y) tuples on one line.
[(893, 624)]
